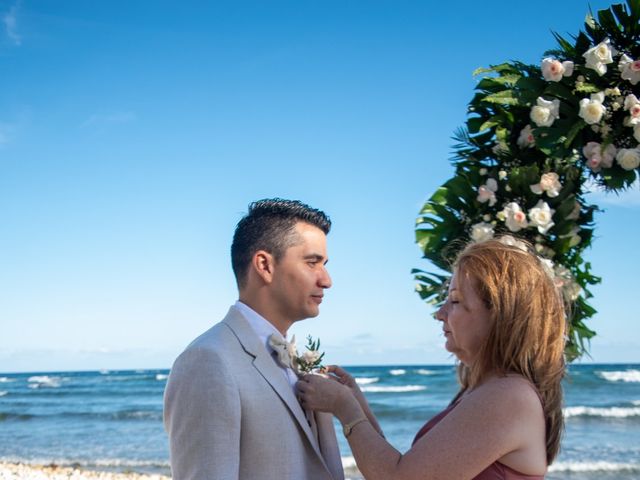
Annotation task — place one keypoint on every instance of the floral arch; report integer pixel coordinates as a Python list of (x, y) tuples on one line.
[(535, 136)]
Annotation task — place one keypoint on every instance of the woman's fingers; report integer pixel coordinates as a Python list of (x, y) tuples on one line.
[(343, 376)]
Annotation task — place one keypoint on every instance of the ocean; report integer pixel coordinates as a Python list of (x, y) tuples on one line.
[(112, 420)]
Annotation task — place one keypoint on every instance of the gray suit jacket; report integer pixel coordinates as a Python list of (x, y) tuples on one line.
[(231, 414)]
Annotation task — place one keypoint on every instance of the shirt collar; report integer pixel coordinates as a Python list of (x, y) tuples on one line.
[(262, 327)]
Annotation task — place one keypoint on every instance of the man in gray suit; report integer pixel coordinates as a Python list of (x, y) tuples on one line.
[(229, 407)]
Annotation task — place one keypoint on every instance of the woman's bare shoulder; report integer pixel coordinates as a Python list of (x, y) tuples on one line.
[(508, 392)]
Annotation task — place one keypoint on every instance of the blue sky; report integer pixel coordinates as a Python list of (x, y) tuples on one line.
[(133, 135)]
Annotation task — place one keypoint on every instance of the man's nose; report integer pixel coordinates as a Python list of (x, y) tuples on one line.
[(325, 279)]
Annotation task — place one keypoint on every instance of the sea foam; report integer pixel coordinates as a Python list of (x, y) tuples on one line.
[(394, 389), (366, 380), (398, 371), (161, 376), (610, 412), (39, 381), (594, 467), (623, 376)]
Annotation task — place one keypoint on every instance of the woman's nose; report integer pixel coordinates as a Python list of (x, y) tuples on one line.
[(441, 313)]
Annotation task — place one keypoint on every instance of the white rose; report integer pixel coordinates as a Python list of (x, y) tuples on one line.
[(513, 242), (502, 174), (526, 138), (541, 217), (597, 157), (592, 152), (598, 57), (591, 110), (514, 217), (547, 266), (550, 183), (481, 232), (545, 112), (310, 356), (628, 158), (572, 290), (630, 69), (553, 70), (632, 104), (487, 191)]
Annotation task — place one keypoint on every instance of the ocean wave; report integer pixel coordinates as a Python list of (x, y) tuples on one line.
[(44, 381), (348, 462), (3, 393), (366, 380), (137, 415), (397, 371), (394, 389), (118, 415), (14, 416), (608, 412), (119, 462), (594, 467), (7, 379), (424, 371), (622, 376), (143, 377), (350, 468)]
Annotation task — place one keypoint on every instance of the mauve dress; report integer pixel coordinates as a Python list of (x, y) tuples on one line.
[(495, 471)]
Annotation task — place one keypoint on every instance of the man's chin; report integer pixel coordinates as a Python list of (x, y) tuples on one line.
[(313, 312)]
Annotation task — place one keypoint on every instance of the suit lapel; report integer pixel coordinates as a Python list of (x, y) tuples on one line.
[(266, 366)]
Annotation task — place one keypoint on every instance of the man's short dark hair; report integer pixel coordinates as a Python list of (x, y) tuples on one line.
[(269, 225)]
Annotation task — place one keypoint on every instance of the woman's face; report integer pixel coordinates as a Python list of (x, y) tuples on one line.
[(465, 319)]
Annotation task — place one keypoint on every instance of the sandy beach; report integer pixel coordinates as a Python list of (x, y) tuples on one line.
[(15, 471), (21, 471)]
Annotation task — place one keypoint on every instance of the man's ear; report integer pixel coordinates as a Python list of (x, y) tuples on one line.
[(263, 263)]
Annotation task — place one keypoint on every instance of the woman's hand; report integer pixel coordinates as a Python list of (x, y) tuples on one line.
[(341, 375), (321, 392)]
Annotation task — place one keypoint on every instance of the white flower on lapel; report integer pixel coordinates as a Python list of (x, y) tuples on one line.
[(286, 351)]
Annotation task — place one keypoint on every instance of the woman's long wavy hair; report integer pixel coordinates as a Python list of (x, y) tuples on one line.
[(528, 325)]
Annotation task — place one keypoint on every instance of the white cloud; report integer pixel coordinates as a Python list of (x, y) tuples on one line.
[(10, 21), (113, 118)]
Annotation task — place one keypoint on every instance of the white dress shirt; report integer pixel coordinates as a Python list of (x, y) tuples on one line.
[(264, 329)]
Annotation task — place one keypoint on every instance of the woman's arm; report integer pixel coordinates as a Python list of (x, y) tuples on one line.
[(346, 379), (503, 416)]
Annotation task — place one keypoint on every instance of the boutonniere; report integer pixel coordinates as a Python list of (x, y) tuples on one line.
[(312, 358), (289, 357)]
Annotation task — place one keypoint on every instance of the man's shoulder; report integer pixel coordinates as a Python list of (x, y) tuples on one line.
[(215, 333)]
